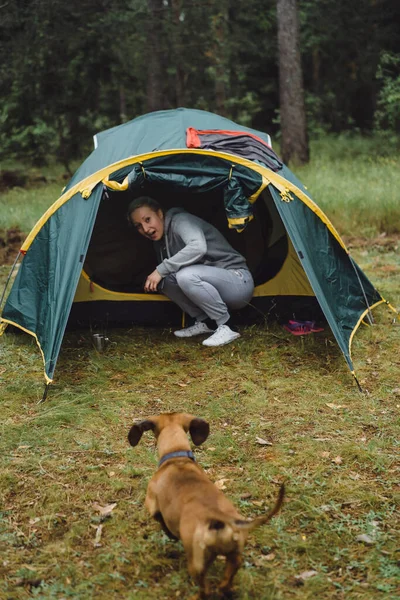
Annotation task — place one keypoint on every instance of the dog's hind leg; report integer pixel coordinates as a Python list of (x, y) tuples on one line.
[(233, 563), (199, 560), (200, 579)]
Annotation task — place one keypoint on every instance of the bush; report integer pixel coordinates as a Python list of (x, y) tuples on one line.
[(387, 114)]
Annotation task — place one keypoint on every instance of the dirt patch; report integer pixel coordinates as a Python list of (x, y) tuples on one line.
[(388, 242), (11, 179), (10, 243)]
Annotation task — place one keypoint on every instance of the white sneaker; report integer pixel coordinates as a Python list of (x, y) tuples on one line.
[(197, 329), (223, 335)]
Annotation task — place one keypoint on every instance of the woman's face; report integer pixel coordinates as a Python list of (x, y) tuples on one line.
[(148, 222)]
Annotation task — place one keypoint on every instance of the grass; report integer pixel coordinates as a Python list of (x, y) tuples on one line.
[(336, 449), (21, 207), (354, 180)]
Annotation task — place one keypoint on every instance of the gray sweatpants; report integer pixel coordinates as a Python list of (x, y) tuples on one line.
[(203, 291)]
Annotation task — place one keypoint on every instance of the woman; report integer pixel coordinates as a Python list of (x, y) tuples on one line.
[(199, 270)]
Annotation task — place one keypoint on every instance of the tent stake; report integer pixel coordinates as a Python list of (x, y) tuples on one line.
[(45, 392), (358, 383)]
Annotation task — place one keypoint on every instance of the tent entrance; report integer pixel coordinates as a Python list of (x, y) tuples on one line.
[(119, 259)]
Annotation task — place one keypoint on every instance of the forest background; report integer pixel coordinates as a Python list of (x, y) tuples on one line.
[(69, 70), (72, 520)]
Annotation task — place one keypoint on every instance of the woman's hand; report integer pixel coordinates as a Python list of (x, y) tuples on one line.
[(152, 281)]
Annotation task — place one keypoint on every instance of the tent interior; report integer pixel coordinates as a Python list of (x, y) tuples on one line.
[(119, 259)]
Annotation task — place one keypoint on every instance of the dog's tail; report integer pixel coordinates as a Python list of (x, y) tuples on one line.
[(224, 532), (249, 525)]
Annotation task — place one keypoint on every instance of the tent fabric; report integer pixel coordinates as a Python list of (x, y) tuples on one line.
[(330, 271), (154, 132), (81, 253), (240, 184), (241, 143), (52, 265)]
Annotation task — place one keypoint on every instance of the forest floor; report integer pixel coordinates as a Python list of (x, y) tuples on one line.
[(280, 408)]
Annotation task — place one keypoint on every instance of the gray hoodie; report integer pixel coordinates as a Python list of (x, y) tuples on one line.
[(189, 240)]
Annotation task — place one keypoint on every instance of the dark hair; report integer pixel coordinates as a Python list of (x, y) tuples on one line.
[(143, 201)]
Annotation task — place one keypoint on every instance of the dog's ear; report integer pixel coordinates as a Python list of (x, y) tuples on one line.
[(199, 430), (138, 429)]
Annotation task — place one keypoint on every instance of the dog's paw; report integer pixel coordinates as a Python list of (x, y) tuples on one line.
[(226, 592)]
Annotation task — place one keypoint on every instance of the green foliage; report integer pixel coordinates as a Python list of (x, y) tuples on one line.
[(68, 70), (340, 60), (387, 114), (36, 141)]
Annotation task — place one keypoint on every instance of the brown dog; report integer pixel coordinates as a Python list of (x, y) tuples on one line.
[(188, 506)]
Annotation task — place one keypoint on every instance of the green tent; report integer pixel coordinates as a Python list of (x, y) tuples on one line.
[(82, 264)]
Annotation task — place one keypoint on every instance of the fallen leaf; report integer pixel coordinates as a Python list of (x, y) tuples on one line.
[(365, 539), (105, 511), (325, 454), (183, 384), (354, 476), (334, 406), (258, 502), (34, 521), (306, 575), (270, 556), (97, 539), (263, 442), (220, 484), (338, 460)]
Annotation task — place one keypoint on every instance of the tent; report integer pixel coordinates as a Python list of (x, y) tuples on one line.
[(82, 263)]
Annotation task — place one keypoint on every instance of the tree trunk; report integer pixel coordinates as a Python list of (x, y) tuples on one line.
[(155, 80), (122, 104), (177, 41), (220, 55), (291, 91)]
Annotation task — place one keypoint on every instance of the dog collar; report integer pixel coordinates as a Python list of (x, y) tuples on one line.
[(177, 454)]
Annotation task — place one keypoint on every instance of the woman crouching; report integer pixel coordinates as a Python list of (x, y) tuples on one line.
[(198, 269)]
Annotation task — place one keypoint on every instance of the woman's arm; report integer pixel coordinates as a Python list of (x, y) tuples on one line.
[(194, 245)]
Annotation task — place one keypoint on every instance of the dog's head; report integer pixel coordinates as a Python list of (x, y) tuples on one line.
[(197, 428)]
